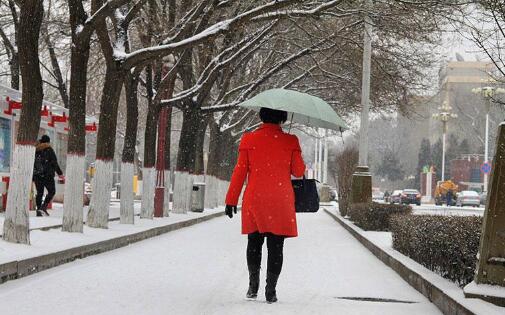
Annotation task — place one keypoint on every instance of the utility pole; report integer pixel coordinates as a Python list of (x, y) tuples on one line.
[(361, 191), (325, 161), (320, 157), (488, 93), (365, 89)]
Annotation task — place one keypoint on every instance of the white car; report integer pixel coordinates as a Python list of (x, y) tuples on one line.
[(468, 198)]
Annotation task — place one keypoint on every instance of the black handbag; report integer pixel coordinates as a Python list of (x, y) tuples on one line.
[(306, 195)]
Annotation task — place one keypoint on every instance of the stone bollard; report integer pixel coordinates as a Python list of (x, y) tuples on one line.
[(491, 264)]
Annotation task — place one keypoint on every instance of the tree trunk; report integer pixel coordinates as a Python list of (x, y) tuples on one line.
[(74, 190), (98, 214), (149, 171), (191, 141), (14, 66), (62, 88), (16, 224), (222, 162), (127, 210)]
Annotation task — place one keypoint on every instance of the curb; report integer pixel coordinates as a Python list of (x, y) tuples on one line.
[(21, 268), (444, 302)]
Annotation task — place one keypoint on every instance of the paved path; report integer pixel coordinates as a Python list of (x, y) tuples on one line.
[(202, 270)]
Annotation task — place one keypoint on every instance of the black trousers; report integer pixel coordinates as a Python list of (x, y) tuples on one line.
[(47, 183), (275, 245)]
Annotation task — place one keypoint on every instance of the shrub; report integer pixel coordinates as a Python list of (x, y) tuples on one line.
[(375, 216), (447, 245)]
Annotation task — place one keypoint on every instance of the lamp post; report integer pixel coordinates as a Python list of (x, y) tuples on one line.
[(444, 115), (488, 93), (361, 189)]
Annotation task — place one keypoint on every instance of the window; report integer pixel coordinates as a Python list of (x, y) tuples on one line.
[(5, 144)]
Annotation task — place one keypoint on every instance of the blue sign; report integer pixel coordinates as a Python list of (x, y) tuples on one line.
[(486, 168)]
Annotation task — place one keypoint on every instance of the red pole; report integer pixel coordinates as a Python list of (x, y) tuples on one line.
[(159, 193)]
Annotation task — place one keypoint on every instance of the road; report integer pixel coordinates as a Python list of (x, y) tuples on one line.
[(202, 270), (444, 210)]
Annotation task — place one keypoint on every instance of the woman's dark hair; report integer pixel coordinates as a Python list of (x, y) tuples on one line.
[(273, 116)]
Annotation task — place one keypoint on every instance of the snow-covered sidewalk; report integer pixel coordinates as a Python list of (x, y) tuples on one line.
[(202, 270), (56, 216)]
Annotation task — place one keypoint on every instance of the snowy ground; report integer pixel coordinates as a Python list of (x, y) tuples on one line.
[(54, 240), (56, 215), (384, 241), (202, 270)]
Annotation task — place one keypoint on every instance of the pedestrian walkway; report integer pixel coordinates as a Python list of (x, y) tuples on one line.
[(56, 216), (202, 270)]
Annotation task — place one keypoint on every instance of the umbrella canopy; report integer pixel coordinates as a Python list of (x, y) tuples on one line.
[(301, 107)]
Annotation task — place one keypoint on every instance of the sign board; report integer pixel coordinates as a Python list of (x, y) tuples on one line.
[(486, 168)]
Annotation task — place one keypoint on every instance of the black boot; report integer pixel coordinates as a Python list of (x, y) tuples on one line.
[(254, 284), (270, 294), (39, 213)]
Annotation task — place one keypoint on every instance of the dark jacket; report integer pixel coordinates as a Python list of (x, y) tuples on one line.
[(45, 153)]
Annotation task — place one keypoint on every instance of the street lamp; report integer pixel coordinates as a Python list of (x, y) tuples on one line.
[(361, 188), (444, 115), (488, 93)]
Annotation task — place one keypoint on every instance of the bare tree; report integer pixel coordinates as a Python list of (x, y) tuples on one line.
[(16, 224)]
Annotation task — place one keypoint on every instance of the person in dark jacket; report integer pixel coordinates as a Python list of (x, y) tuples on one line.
[(45, 166), (267, 158), (449, 197)]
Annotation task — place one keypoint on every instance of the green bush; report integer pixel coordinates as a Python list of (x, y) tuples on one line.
[(447, 245), (375, 216)]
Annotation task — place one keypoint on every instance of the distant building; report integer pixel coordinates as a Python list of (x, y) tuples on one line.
[(466, 173), (456, 81)]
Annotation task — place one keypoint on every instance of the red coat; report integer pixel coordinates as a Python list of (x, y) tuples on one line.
[(268, 157)]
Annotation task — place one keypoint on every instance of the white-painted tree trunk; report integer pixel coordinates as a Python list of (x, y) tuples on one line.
[(215, 192), (73, 196), (16, 224), (183, 187), (218, 192), (127, 210), (223, 187), (148, 186), (208, 192), (98, 214), (166, 200)]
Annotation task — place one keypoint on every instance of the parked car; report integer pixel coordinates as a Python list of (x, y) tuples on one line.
[(468, 198), (483, 198), (410, 196), (395, 197), (378, 196)]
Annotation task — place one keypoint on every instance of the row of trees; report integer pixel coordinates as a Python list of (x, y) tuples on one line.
[(200, 58)]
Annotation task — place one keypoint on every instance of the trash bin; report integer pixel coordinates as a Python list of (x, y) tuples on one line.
[(324, 193), (198, 197)]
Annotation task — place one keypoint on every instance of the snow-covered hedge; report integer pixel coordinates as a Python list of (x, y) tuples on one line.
[(447, 245), (375, 216)]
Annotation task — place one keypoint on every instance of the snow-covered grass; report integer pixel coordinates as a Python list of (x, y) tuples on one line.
[(384, 241), (202, 270), (45, 242), (56, 215)]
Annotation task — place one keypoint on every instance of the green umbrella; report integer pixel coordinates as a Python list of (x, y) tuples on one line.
[(301, 107)]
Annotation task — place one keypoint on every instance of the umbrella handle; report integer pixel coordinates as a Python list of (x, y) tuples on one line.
[(291, 122)]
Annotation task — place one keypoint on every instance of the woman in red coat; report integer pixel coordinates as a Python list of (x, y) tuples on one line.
[(267, 157)]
